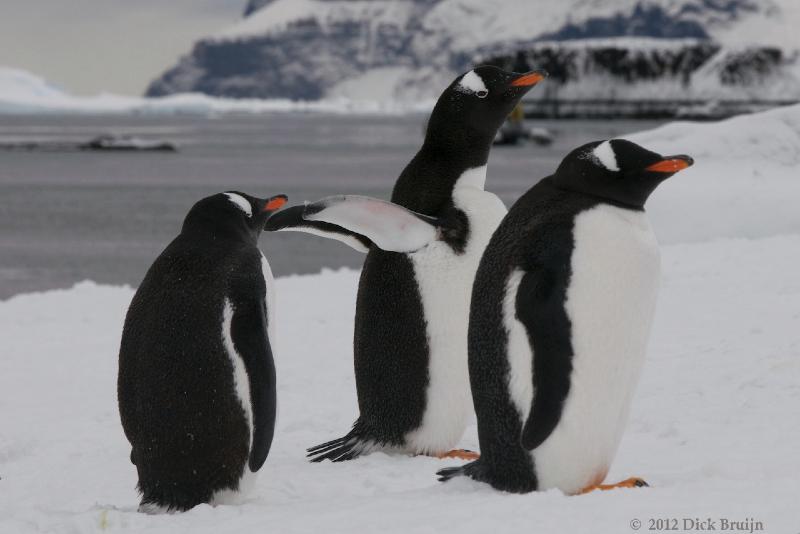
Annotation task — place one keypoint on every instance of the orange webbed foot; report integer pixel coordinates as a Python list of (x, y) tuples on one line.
[(633, 482), (461, 454)]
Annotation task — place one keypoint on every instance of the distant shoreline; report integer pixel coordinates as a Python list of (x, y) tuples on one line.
[(603, 109)]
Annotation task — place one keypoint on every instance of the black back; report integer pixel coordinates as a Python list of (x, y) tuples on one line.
[(536, 237), (390, 346), (176, 389)]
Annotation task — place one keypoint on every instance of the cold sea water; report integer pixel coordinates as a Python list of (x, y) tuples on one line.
[(68, 215)]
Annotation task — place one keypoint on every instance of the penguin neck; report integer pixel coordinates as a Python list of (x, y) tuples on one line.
[(428, 181), (199, 227), (461, 148)]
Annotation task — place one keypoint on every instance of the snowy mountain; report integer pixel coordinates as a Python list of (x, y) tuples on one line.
[(408, 49), (22, 92)]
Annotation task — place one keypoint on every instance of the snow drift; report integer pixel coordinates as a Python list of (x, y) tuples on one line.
[(744, 182)]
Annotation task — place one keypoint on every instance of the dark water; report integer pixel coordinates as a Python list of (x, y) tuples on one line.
[(71, 216)]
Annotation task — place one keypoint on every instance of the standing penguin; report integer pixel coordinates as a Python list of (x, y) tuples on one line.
[(560, 317), (412, 309), (196, 385)]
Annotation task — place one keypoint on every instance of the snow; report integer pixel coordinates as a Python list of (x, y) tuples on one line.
[(338, 42), (768, 22), (278, 15), (24, 93), (713, 426), (404, 86), (774, 25), (743, 183)]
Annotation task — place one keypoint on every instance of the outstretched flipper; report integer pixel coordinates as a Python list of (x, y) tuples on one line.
[(390, 226), (292, 220), (360, 222)]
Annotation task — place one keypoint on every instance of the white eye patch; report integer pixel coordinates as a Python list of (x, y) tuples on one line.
[(472, 83), (604, 155), (240, 203)]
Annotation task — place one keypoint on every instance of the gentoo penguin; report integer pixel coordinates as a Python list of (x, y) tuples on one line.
[(412, 309), (196, 385), (560, 317)]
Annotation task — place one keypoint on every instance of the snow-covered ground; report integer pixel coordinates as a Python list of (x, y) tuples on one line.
[(24, 93), (714, 426), (745, 181)]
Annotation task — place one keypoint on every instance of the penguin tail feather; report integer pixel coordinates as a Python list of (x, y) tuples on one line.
[(511, 482), (450, 472), (340, 450), (473, 470)]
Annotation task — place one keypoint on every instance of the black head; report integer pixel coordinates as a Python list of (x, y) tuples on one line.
[(475, 105), (232, 215), (618, 171)]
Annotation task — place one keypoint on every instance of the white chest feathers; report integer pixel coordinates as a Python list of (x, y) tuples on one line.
[(610, 304), (445, 283)]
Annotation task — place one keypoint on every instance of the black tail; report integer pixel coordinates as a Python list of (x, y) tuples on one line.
[(472, 470), (351, 446), (513, 480), (450, 472), (158, 498)]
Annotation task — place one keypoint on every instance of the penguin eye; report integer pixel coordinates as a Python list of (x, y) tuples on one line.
[(482, 94)]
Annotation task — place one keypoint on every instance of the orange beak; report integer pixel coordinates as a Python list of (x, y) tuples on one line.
[(671, 165), (275, 203), (529, 79)]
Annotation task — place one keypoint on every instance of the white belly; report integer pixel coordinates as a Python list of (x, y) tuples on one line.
[(445, 283), (610, 304)]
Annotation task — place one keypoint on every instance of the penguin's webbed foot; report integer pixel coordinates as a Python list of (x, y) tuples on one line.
[(633, 482), (460, 454)]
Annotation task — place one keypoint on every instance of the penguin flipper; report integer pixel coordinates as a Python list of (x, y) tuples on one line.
[(389, 226), (540, 308), (291, 219), (251, 341)]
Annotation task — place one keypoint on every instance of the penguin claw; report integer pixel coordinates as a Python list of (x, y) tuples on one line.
[(461, 454), (633, 482), (449, 472)]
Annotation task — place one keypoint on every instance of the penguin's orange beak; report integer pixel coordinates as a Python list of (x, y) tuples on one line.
[(529, 79), (275, 203), (671, 164)]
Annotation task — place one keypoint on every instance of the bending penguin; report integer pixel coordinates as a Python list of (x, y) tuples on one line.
[(423, 249), (560, 318), (196, 385)]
